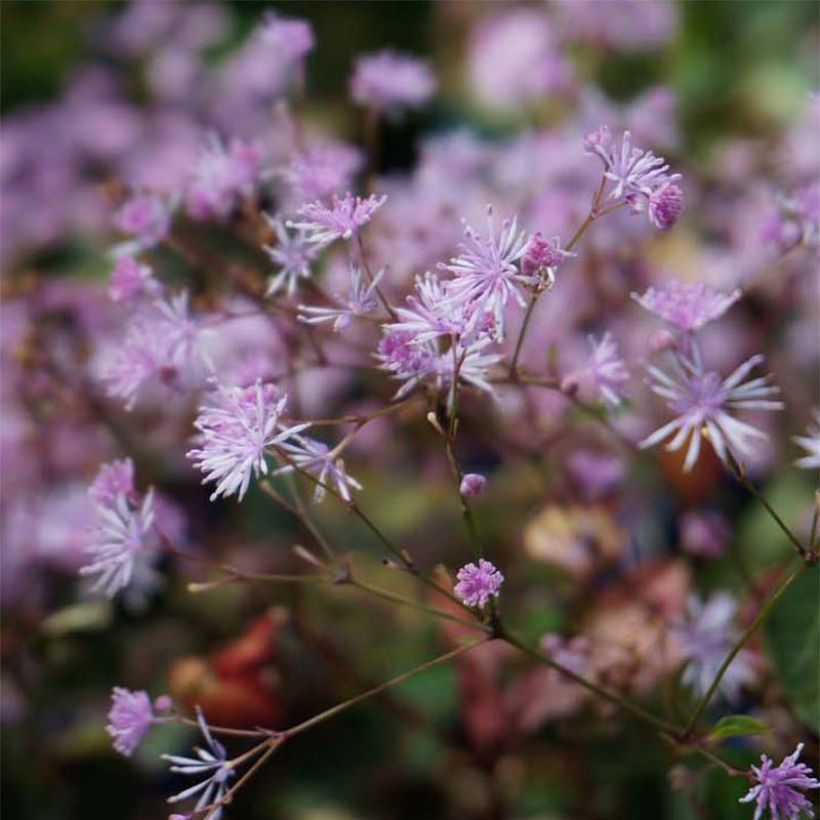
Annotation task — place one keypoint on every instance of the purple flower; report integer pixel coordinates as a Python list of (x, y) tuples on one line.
[(407, 361), (704, 403), (541, 259), (342, 220), (665, 205), (432, 313), (477, 584), (485, 272), (292, 255), (144, 217), (129, 719), (778, 788), (606, 368), (687, 305), (234, 433), (220, 177), (122, 536), (361, 301), (704, 534), (707, 636), (472, 484), (290, 38), (131, 279), (389, 81), (323, 169), (113, 479), (811, 444), (318, 460), (212, 762)]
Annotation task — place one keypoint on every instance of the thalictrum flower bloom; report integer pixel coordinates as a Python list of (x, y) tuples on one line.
[(322, 170), (687, 305), (360, 301), (389, 81), (317, 459), (704, 403), (292, 255), (220, 177), (145, 217), (113, 480), (342, 219), (432, 312), (779, 788), (485, 272), (478, 583), (129, 719), (607, 369), (131, 279), (665, 205), (541, 259), (811, 444), (123, 534), (235, 431), (213, 763), (707, 637)]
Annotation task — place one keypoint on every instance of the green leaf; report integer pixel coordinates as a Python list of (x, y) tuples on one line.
[(793, 643), (737, 726)]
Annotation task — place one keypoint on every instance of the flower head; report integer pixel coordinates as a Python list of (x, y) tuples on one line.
[(472, 484), (607, 369), (322, 170), (390, 81), (360, 301), (704, 404), (235, 430), (541, 259), (778, 787), (220, 176), (477, 584), (112, 480), (665, 205), (131, 279), (211, 762), (145, 217), (811, 444), (122, 538), (687, 305), (707, 637), (343, 219), (292, 255), (129, 719)]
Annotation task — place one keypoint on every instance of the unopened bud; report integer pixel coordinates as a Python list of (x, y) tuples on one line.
[(472, 484)]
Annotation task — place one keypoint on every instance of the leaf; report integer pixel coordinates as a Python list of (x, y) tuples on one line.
[(736, 726), (793, 643)]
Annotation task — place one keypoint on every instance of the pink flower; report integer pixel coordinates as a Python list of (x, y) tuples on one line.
[(687, 305), (607, 369), (145, 217), (342, 220), (472, 484), (390, 81), (665, 205), (322, 170), (129, 719), (778, 787), (131, 279), (477, 584), (292, 255), (541, 259), (113, 479), (220, 177)]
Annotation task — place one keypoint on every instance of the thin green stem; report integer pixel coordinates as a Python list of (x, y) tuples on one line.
[(761, 617), (377, 690), (409, 602)]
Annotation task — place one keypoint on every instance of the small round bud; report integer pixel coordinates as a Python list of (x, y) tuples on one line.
[(164, 703), (472, 484), (570, 385)]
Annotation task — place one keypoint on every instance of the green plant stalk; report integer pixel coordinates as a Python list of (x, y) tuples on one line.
[(761, 617)]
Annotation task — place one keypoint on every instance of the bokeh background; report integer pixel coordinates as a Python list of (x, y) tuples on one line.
[(741, 70)]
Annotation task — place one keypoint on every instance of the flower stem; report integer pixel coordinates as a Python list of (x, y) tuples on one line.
[(761, 617), (376, 690)]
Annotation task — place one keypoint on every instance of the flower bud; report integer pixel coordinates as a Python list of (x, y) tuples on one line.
[(472, 484)]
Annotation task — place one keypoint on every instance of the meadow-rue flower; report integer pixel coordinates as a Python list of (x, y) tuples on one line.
[(360, 301), (607, 369), (292, 255), (235, 430), (131, 279), (145, 217), (123, 532), (485, 272), (112, 480), (390, 81), (665, 205), (318, 460), (342, 219), (810, 442), (129, 719), (707, 636), (478, 583), (210, 761), (704, 403), (220, 177), (431, 312), (778, 788), (687, 305), (323, 169), (472, 484), (541, 259)]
